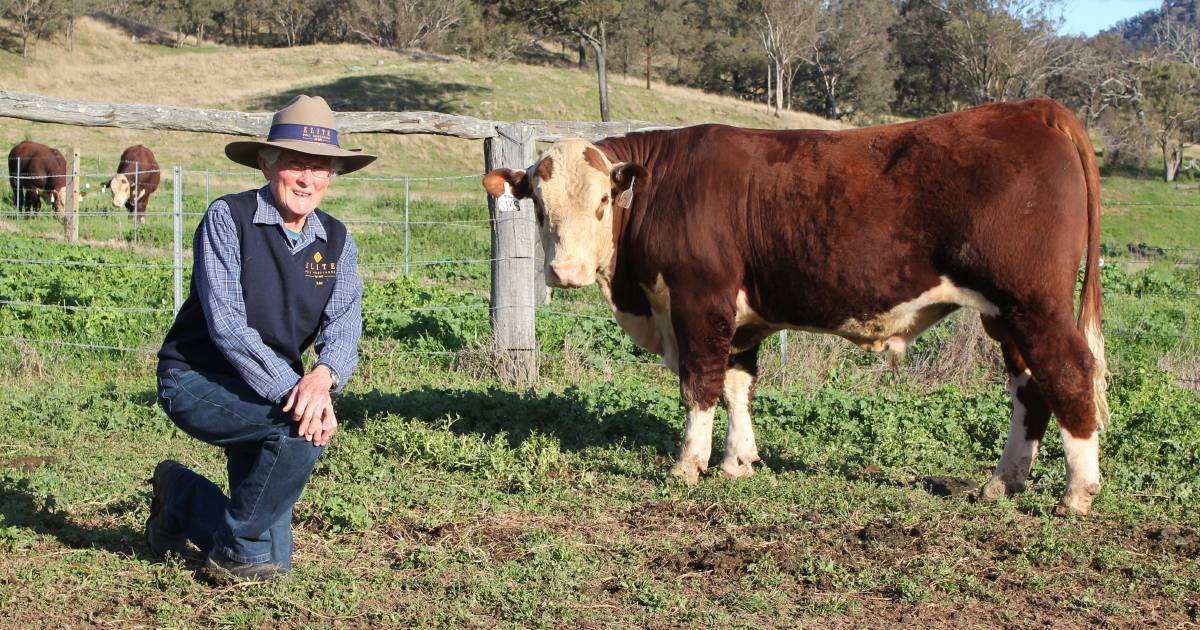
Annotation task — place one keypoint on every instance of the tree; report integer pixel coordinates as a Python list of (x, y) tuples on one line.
[(291, 16), (654, 24), (484, 34), (72, 9), (589, 20), (848, 60), (1171, 108), (927, 81), (1100, 80), (34, 19), (401, 24), (717, 50), (786, 28), (1005, 49)]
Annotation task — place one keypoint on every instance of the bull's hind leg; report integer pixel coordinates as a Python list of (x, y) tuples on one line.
[(741, 451), (1030, 415), (1063, 365)]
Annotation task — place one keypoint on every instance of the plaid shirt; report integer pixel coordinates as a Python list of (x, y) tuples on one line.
[(217, 274)]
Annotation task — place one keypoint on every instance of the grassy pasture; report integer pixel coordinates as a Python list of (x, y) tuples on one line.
[(451, 499)]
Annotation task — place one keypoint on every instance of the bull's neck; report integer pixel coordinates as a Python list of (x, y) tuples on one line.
[(638, 148)]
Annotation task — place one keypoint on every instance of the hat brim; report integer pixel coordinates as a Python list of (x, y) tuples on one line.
[(245, 152)]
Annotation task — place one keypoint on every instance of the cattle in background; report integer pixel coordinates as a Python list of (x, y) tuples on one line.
[(37, 172), (136, 179), (707, 239)]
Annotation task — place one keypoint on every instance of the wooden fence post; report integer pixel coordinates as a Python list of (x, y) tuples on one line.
[(71, 218), (513, 235)]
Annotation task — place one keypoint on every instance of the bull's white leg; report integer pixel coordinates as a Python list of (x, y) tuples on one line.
[(741, 451), (1019, 451), (697, 444), (1083, 471)]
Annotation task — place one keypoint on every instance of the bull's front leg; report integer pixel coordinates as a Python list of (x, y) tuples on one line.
[(703, 333), (741, 450)]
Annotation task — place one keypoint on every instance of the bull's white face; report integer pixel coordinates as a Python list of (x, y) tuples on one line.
[(572, 187), (119, 186)]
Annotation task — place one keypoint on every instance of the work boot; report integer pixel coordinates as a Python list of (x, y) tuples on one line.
[(226, 571), (161, 535)]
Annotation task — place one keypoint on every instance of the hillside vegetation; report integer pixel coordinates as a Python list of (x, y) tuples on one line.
[(105, 65)]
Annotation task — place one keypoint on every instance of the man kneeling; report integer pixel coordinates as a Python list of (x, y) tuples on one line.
[(272, 274)]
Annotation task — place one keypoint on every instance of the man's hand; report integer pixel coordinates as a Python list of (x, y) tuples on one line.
[(312, 407)]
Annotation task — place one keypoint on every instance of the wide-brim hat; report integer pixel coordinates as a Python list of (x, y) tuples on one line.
[(307, 126)]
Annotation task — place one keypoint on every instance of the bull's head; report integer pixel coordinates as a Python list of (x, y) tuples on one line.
[(119, 186), (574, 187), (58, 199)]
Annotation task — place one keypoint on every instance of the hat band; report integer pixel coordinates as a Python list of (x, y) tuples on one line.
[(310, 133)]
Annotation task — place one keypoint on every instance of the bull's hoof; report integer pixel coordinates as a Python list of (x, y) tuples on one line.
[(1077, 501), (736, 467), (688, 471), (998, 487)]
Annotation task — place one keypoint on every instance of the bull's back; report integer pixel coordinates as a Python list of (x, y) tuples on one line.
[(819, 226), (38, 165)]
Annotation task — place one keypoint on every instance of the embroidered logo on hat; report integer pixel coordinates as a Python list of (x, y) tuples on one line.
[(311, 133)]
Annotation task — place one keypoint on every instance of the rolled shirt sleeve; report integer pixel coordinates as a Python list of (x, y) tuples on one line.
[(341, 323), (218, 268)]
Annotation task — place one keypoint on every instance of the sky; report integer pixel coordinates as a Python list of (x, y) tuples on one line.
[(1092, 16)]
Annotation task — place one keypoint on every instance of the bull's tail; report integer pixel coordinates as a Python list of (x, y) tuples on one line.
[(1090, 309)]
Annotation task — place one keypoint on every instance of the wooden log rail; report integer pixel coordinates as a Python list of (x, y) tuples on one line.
[(47, 109)]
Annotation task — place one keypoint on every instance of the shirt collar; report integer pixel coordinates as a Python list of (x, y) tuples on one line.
[(268, 214)]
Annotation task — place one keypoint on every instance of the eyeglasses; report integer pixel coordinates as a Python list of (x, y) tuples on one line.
[(320, 172)]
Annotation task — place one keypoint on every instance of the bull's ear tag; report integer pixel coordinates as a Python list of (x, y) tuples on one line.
[(507, 202), (625, 199)]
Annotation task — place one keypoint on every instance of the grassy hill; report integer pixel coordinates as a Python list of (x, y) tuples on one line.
[(106, 65)]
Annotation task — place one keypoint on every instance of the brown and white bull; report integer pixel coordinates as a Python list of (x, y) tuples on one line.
[(707, 239), (136, 179), (37, 173)]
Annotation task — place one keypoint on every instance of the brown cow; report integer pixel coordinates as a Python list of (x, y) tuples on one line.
[(37, 172), (707, 239), (136, 179)]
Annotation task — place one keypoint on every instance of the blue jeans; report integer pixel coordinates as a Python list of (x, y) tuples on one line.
[(267, 462)]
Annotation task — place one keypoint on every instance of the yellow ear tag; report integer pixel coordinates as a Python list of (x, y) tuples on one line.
[(625, 199)]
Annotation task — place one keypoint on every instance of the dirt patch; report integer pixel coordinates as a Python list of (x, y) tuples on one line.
[(676, 515), (27, 464), (890, 535), (1171, 540), (726, 557)]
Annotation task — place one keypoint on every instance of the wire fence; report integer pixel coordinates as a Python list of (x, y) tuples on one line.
[(433, 230)]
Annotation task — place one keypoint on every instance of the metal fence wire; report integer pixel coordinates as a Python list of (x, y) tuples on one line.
[(431, 228)]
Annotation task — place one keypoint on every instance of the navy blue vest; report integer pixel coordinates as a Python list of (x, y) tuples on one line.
[(285, 293)]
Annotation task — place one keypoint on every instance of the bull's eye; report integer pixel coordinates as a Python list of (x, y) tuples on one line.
[(604, 199)]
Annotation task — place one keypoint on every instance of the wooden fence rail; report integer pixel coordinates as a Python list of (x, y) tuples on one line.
[(516, 250), (48, 109)]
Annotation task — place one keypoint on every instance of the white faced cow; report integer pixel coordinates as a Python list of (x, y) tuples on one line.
[(707, 239), (137, 178)]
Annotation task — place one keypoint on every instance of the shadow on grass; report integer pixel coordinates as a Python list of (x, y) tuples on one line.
[(578, 419), (378, 93), (574, 417), (23, 506)]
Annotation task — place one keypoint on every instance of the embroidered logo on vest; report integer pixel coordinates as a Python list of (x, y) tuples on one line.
[(319, 271)]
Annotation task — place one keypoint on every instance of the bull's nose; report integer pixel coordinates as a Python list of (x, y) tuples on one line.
[(567, 275)]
